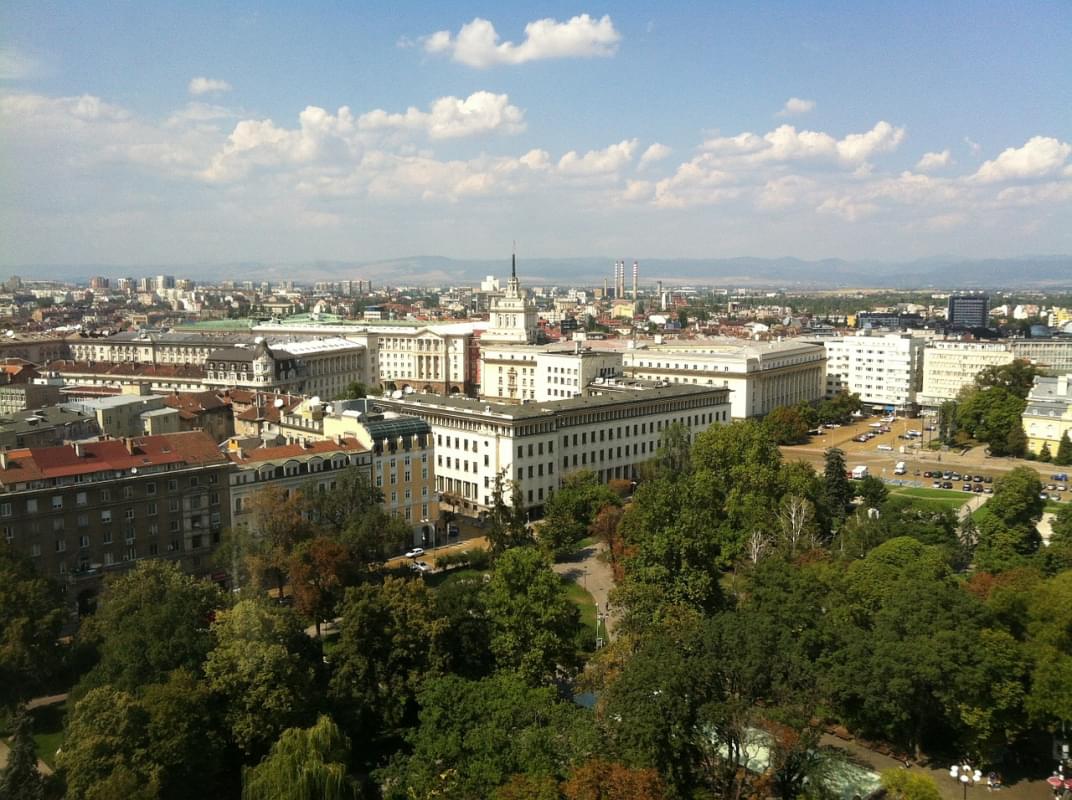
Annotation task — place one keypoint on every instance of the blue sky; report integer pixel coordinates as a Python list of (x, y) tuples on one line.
[(153, 133)]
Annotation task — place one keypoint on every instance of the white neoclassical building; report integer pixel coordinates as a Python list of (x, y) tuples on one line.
[(949, 366)]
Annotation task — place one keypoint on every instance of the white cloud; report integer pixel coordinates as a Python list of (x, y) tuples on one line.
[(1039, 157), (451, 117), (849, 210), (477, 43), (655, 152), (932, 161), (973, 146), (796, 105), (201, 85), (598, 162), (786, 143)]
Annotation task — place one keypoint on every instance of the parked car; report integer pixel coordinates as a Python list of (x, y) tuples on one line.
[(927, 474), (978, 488), (884, 447), (421, 566), (978, 479), (936, 485), (947, 485), (987, 490), (1060, 476), (416, 551), (453, 531), (966, 487)]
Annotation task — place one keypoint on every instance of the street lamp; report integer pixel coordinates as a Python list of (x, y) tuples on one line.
[(966, 774)]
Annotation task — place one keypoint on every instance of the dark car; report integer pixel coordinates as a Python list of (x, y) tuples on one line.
[(947, 485), (966, 487), (978, 479), (453, 531), (926, 474)]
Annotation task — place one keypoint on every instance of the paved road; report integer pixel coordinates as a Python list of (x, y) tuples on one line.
[(595, 575)]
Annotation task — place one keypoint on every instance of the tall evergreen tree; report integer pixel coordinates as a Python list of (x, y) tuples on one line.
[(20, 780), (836, 485), (1064, 451)]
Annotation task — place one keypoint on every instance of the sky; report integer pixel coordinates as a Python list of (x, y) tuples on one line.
[(151, 133)]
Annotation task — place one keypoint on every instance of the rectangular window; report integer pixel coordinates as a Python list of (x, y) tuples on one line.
[(31, 506), (106, 516)]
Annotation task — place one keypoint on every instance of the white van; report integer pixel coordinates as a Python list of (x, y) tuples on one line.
[(859, 473), (900, 468), (888, 447)]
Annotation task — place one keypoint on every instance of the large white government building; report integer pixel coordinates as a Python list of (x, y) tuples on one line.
[(760, 375), (611, 431), (883, 370)]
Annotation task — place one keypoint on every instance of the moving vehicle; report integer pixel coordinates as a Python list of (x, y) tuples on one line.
[(416, 551), (859, 473), (900, 468), (420, 566), (888, 447)]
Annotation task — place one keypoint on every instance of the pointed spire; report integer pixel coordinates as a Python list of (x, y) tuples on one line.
[(513, 261)]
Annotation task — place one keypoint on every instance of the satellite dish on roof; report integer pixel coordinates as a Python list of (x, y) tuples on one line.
[(278, 402), (408, 390)]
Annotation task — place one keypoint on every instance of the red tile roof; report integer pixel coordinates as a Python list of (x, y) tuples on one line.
[(125, 368), (42, 463), (283, 452)]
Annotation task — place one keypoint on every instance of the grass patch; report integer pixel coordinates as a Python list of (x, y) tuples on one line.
[(580, 597), (1052, 507), (438, 579), (933, 499), (587, 541), (47, 731)]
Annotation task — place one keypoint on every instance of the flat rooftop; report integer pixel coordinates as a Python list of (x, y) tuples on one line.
[(627, 394)]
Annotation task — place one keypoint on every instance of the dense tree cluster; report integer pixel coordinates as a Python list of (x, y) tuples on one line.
[(759, 601), (990, 409)]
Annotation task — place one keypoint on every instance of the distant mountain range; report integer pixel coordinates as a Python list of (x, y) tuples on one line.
[(1046, 271)]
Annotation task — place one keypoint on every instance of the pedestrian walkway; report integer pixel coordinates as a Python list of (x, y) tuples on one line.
[(594, 574)]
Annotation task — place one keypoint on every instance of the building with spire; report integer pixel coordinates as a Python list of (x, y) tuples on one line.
[(513, 316)]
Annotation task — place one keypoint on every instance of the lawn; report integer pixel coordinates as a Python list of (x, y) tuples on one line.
[(438, 579), (48, 731), (933, 499), (587, 605)]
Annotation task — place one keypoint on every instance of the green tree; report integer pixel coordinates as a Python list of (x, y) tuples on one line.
[(873, 491), (533, 623), (1064, 451), (900, 784), (581, 497), (334, 510), (507, 525), (837, 488), (19, 779), (262, 665), (1044, 454), (355, 390), (467, 640), (391, 639), (787, 425), (152, 620), (558, 532), (474, 735), (673, 456), (1017, 377), (304, 764), (904, 636), (1016, 441), (31, 615), (104, 748), (947, 421), (991, 415)]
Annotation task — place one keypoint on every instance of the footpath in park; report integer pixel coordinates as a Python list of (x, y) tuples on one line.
[(42, 767), (591, 571)]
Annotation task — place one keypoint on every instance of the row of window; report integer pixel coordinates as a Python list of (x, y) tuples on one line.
[(104, 495)]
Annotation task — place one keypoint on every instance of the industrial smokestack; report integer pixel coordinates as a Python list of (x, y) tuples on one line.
[(636, 279)]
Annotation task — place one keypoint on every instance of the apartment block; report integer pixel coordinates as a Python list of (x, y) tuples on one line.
[(950, 366), (885, 371), (85, 510)]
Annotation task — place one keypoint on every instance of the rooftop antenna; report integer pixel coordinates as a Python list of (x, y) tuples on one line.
[(513, 261)]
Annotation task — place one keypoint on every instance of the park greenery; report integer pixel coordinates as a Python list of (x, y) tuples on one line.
[(756, 597), (990, 410)]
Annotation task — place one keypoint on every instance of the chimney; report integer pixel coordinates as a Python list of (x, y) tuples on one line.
[(78, 451), (3, 459), (636, 278), (128, 443)]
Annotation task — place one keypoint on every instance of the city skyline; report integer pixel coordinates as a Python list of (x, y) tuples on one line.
[(151, 135)]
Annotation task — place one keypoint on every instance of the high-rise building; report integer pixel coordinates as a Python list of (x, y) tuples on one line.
[(969, 311), (98, 282)]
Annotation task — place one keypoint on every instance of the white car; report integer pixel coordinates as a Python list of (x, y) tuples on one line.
[(416, 551), (421, 566)]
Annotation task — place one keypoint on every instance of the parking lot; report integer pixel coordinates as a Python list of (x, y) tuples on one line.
[(881, 453)]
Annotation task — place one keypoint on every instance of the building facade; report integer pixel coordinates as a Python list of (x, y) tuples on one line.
[(1054, 355), (950, 366), (759, 375), (884, 371), (968, 311), (82, 511), (536, 444), (1048, 414)]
